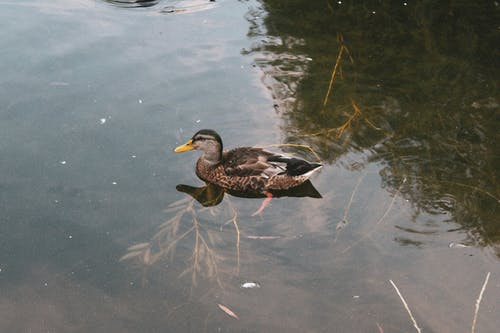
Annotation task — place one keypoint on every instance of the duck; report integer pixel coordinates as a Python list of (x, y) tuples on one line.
[(250, 170)]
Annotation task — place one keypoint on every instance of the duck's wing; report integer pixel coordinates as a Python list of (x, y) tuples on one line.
[(249, 161)]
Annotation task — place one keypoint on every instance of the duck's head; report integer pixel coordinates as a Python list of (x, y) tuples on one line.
[(206, 140)]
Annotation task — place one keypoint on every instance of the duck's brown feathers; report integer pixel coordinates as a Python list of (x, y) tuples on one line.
[(248, 169)]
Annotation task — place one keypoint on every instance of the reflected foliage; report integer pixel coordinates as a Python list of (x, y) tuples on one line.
[(424, 77), (191, 232)]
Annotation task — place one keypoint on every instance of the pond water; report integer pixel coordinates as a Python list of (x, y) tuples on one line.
[(99, 231)]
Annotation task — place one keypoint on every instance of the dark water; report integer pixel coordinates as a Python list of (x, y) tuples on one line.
[(96, 94)]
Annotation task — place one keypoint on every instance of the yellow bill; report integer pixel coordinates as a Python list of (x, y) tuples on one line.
[(185, 147)]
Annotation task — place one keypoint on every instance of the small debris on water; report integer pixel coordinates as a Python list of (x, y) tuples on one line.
[(70, 236), (262, 237), (140, 101), (250, 285), (355, 296), (454, 245), (102, 120), (63, 162), (114, 183), (59, 84), (134, 156), (228, 311)]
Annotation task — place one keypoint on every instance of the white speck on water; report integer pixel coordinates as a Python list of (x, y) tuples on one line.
[(309, 59), (140, 101), (405, 4), (339, 2), (63, 162), (56, 201), (374, 12), (102, 120), (45, 284), (70, 236), (0, 269), (114, 183), (198, 121), (133, 156), (250, 285), (355, 296)]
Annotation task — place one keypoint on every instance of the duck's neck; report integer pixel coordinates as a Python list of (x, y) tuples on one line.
[(212, 157)]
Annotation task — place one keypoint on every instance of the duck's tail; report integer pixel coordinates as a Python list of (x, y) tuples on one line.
[(296, 166)]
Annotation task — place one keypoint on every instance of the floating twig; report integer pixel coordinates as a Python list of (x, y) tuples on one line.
[(342, 49), (406, 307), (478, 302)]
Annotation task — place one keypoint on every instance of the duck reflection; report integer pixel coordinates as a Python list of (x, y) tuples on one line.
[(212, 195)]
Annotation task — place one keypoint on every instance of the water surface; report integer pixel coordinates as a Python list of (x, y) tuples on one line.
[(96, 94)]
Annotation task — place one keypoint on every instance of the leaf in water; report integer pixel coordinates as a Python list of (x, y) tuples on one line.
[(228, 311)]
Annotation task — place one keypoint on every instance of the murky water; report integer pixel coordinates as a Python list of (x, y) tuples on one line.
[(98, 228)]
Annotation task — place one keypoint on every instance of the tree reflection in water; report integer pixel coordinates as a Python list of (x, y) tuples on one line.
[(420, 96)]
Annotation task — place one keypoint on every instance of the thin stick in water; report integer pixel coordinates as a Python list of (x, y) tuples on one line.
[(478, 302), (406, 307)]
